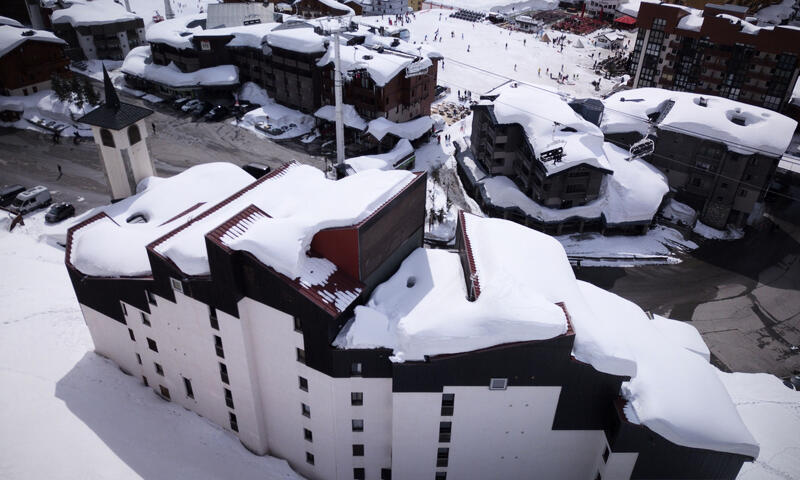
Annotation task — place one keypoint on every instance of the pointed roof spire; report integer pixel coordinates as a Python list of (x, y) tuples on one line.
[(168, 10), (112, 100)]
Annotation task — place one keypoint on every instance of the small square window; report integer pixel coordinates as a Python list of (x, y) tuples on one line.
[(234, 422), (386, 474), (159, 370), (358, 450), (305, 410), (448, 404), (445, 430), (358, 425), (308, 435), (356, 398), (358, 474), (498, 383), (301, 355), (146, 383), (138, 359), (355, 369), (130, 334), (212, 317), (223, 373), (187, 384), (145, 319), (298, 327), (441, 476), (151, 344), (303, 383), (218, 346), (151, 299), (176, 284), (164, 391), (309, 458), (442, 457), (228, 398)]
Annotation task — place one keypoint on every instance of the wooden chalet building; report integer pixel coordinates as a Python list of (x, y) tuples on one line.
[(28, 60)]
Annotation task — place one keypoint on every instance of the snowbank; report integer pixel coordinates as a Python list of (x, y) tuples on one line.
[(11, 37), (678, 212), (422, 310), (285, 122), (711, 233), (82, 13), (581, 141), (350, 116), (410, 130), (44, 105), (139, 63), (775, 14), (382, 161), (763, 131)]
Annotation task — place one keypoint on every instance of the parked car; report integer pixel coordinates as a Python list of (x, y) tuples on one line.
[(191, 105), (257, 170), (8, 193), (59, 211), (31, 199), (180, 102), (200, 109), (217, 113)]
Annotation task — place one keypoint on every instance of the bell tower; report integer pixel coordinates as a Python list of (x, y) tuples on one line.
[(120, 132)]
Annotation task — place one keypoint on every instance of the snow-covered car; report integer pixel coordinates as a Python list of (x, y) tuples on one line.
[(191, 105), (180, 101), (200, 109), (59, 211)]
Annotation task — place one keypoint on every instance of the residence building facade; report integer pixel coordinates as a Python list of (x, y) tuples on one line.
[(257, 352), (111, 40), (715, 51), (29, 59)]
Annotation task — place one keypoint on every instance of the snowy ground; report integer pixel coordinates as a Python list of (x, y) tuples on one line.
[(147, 8), (659, 245), (68, 413), (490, 63)]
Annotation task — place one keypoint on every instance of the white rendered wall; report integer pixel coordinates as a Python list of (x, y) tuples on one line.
[(274, 339), (114, 165), (495, 434), (619, 466), (111, 340), (86, 43)]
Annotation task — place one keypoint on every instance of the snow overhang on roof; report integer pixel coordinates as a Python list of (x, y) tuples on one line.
[(12, 37), (81, 13)]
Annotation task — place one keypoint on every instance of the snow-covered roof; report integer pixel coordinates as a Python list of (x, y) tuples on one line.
[(547, 120), (381, 66), (139, 63), (382, 161), (632, 194), (9, 21), (411, 130), (764, 131), (300, 38), (176, 32), (81, 13), (235, 14), (423, 310), (252, 36), (12, 37), (297, 201), (350, 116), (684, 334), (338, 6)]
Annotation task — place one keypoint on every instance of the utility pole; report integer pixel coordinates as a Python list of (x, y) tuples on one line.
[(128, 6), (337, 83)]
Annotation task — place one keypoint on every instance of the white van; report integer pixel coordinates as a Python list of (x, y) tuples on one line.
[(31, 199)]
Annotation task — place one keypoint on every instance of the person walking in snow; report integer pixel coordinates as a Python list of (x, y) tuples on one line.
[(58, 166), (524, 41), (515, 67), (467, 48), (540, 71), (506, 45)]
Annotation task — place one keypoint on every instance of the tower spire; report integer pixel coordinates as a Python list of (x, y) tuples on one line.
[(112, 100), (168, 13)]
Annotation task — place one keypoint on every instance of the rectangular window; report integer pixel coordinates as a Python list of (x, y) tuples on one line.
[(498, 384), (130, 334), (164, 391), (145, 319), (356, 398), (151, 299), (298, 327), (358, 425), (146, 383), (151, 344), (445, 429), (212, 317), (301, 355), (309, 458), (355, 369), (358, 450), (305, 410), (159, 370), (358, 474), (441, 476), (234, 423), (442, 456), (223, 373), (448, 403), (124, 310), (303, 383), (218, 346), (138, 359), (605, 455), (228, 398), (187, 384), (308, 435), (386, 474), (176, 284)]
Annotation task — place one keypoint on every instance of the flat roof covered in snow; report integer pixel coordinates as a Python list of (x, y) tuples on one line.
[(744, 128), (12, 37), (81, 13)]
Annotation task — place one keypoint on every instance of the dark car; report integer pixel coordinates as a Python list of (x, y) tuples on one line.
[(257, 170), (8, 193), (59, 211), (217, 113)]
